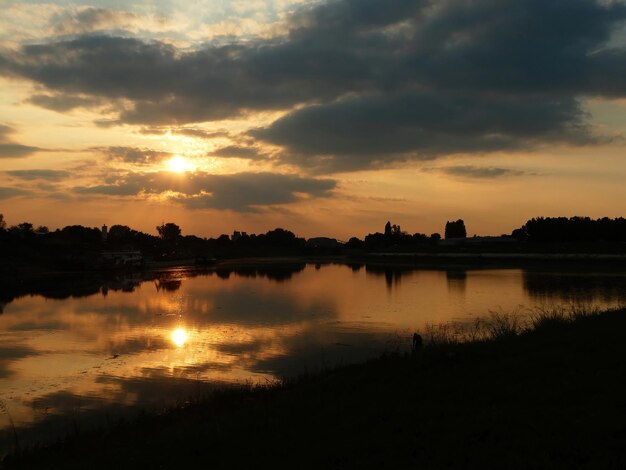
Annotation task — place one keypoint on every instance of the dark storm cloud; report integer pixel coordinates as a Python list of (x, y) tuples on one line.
[(358, 132), (239, 192), (372, 82), (138, 156), (50, 175)]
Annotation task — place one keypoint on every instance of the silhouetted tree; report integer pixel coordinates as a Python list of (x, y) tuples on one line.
[(119, 232), (25, 229), (419, 238), (435, 237), (121, 236), (78, 234), (281, 237), (355, 244), (388, 229), (519, 234), (455, 229), (574, 229), (169, 231), (3, 224), (223, 240), (376, 240)]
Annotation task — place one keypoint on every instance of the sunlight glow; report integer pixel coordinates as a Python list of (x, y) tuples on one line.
[(179, 337), (179, 164)]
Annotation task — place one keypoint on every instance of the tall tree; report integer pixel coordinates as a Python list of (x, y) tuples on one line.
[(388, 229), (169, 231), (456, 229)]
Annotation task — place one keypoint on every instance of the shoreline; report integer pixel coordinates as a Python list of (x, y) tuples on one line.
[(424, 260), (544, 398)]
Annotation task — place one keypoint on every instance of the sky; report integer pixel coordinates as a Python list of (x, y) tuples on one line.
[(323, 117)]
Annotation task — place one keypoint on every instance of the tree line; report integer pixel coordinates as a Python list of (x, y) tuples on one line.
[(76, 245), (573, 229)]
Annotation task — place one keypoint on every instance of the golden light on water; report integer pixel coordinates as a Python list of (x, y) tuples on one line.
[(179, 337), (179, 164)]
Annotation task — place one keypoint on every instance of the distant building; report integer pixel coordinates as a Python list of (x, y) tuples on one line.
[(105, 232), (119, 259), (237, 235)]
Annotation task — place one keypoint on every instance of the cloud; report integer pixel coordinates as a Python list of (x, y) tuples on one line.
[(469, 171), (239, 192), (49, 175), (363, 131), (64, 102), (11, 354), (5, 131), (136, 155), (11, 149), (89, 19), (186, 131), (236, 151), (364, 85)]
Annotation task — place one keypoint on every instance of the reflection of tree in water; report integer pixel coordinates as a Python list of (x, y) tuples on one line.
[(457, 280), (393, 274), (575, 286), (278, 273), (171, 281), (356, 267), (64, 286), (168, 285), (57, 287)]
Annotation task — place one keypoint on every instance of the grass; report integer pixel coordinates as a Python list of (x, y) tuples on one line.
[(544, 390)]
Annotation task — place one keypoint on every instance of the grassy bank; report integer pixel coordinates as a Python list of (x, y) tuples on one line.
[(550, 396)]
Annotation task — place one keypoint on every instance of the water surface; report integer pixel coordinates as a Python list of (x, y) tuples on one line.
[(83, 346)]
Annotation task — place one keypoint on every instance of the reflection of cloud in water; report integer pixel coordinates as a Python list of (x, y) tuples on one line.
[(64, 412), (245, 307), (137, 344), (10, 354), (316, 348)]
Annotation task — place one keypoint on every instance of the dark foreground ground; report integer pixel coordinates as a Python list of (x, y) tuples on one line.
[(551, 398)]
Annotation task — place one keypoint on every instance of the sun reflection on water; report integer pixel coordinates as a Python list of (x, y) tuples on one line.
[(179, 337)]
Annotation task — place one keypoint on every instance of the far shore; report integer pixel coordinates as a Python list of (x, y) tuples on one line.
[(425, 260)]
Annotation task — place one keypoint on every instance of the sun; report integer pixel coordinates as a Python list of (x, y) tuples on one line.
[(179, 164)]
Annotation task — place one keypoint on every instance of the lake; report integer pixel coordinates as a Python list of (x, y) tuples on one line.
[(91, 348)]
